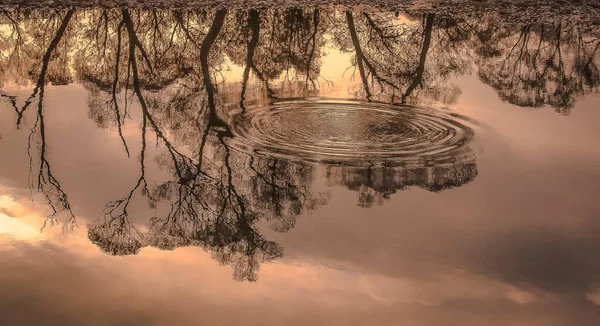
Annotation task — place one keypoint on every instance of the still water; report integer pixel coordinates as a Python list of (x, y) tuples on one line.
[(297, 166)]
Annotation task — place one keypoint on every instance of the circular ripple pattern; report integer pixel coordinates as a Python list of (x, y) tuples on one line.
[(352, 133)]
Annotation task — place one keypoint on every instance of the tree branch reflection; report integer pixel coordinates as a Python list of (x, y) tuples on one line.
[(168, 70)]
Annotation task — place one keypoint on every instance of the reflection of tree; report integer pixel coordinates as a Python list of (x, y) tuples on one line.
[(376, 184), (43, 76), (163, 53), (420, 69), (394, 60), (282, 188), (171, 65), (532, 65), (254, 27), (216, 203), (24, 41), (11, 46), (279, 48), (213, 203), (116, 235), (538, 64), (46, 182), (400, 60), (207, 44), (220, 208)]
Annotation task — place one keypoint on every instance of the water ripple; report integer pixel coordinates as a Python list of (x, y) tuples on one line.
[(353, 133)]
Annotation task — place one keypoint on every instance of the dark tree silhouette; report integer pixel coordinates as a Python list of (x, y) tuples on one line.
[(538, 64), (168, 67), (377, 184), (212, 206), (280, 49), (41, 80), (42, 177), (254, 27), (394, 60)]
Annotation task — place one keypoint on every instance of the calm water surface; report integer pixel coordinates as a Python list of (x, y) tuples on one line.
[(297, 167)]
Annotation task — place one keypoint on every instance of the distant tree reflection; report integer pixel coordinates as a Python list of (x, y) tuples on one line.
[(538, 65), (376, 184), (405, 59)]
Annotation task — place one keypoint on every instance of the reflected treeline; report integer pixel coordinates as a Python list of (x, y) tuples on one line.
[(170, 69), (536, 65), (376, 184), (403, 59)]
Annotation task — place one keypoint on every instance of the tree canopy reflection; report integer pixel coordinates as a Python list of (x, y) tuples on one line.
[(170, 67)]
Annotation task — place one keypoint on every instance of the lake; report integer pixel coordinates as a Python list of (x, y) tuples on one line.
[(407, 164)]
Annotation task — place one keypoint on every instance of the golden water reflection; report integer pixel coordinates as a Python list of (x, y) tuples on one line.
[(183, 152)]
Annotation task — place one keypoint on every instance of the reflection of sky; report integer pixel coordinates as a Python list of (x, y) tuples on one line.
[(11, 221), (517, 246)]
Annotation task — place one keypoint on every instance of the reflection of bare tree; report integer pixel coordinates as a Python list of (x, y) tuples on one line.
[(292, 38), (212, 205), (420, 69), (171, 63), (11, 46), (116, 235), (216, 206), (219, 210), (254, 27), (281, 51), (376, 184), (41, 81), (360, 57), (538, 64), (116, 223), (531, 65), (281, 188), (45, 180), (424, 54)]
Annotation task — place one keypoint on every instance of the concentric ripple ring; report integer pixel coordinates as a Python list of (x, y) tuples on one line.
[(353, 133)]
